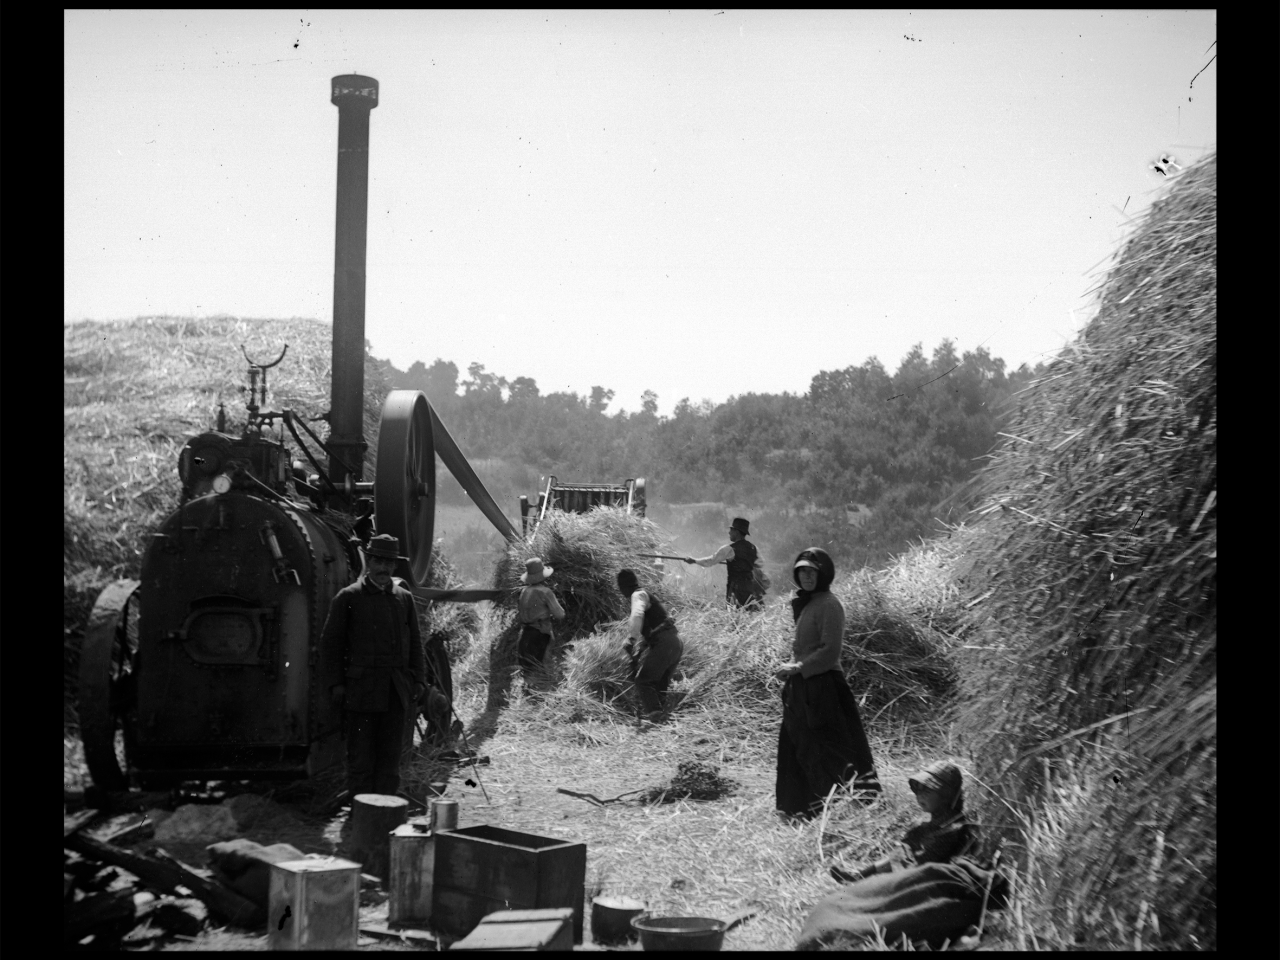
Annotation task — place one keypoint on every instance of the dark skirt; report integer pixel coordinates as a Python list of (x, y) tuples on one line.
[(821, 743)]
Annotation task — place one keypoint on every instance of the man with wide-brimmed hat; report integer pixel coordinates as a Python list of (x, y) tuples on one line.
[(373, 624), (537, 607), (746, 583)]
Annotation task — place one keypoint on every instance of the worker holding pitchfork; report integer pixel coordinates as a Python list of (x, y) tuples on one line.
[(654, 646)]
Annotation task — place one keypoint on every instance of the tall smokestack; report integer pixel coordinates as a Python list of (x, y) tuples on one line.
[(354, 96)]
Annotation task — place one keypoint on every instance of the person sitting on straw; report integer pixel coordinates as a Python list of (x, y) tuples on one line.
[(537, 607), (940, 900), (654, 646), (939, 791)]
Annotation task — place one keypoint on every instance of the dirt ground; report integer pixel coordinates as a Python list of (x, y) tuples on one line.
[(687, 858)]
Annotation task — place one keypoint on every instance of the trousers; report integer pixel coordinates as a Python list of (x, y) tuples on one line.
[(743, 593), (532, 649), (375, 747), (655, 665)]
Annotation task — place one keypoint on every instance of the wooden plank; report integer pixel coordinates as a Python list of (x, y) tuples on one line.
[(166, 874), (419, 938), (522, 930), (71, 823)]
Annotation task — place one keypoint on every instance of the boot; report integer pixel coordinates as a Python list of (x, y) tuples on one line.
[(650, 701)]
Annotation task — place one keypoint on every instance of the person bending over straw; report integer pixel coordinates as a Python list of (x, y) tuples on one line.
[(821, 742), (654, 646), (939, 791), (537, 606)]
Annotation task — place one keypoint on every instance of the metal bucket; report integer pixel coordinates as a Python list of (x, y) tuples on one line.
[(611, 919), (680, 933), (444, 815), (685, 933)]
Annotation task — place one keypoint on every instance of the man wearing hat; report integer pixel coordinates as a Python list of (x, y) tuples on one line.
[(373, 624), (537, 607), (742, 558)]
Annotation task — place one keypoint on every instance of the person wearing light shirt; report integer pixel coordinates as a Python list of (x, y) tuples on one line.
[(653, 643), (743, 587), (537, 607)]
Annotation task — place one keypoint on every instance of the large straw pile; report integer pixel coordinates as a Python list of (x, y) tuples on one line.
[(1091, 679), (134, 391), (586, 552)]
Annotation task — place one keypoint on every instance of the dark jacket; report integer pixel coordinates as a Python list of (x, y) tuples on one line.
[(743, 562), (376, 632), (940, 842)]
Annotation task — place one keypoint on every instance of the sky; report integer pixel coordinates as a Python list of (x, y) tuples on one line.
[(699, 203)]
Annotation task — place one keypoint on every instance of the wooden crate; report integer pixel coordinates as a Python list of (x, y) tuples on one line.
[(480, 870), (522, 930), (313, 905)]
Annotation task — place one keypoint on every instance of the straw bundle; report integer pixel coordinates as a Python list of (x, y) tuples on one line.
[(1093, 598), (694, 780), (895, 661), (586, 552)]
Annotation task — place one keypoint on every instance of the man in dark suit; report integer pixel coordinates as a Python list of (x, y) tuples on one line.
[(374, 624)]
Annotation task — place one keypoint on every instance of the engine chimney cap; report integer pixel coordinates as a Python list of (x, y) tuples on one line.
[(352, 89)]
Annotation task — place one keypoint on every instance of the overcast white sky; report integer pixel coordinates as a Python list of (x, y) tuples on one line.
[(698, 203)]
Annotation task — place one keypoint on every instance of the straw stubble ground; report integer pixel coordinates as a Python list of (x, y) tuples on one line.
[(682, 858)]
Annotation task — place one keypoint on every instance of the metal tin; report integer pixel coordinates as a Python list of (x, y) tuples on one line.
[(313, 905), (412, 868), (444, 815)]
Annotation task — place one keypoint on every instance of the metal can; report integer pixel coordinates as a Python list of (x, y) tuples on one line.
[(444, 815)]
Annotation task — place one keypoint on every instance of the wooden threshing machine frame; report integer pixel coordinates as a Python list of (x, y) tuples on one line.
[(580, 498)]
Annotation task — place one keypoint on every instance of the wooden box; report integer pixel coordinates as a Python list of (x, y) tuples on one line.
[(313, 905), (480, 870), (522, 930)]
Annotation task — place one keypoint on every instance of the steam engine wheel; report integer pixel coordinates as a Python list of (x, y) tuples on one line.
[(405, 481), (107, 662)]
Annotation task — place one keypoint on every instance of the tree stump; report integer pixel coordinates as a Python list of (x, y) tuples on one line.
[(373, 817)]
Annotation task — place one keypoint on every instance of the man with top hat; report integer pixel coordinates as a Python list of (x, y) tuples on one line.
[(373, 624), (537, 607), (743, 588)]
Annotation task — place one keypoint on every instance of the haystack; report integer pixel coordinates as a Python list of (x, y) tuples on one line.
[(1090, 683), (586, 552), (134, 391)]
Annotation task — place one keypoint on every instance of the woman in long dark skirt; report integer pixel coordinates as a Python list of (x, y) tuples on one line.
[(822, 742)]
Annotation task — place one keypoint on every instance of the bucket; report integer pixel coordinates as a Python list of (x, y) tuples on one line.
[(611, 919), (680, 933), (444, 815), (685, 933)]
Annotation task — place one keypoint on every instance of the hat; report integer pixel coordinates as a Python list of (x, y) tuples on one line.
[(384, 545), (806, 559), (535, 572), (741, 525), (941, 777)]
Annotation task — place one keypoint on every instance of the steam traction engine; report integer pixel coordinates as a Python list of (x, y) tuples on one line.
[(210, 667)]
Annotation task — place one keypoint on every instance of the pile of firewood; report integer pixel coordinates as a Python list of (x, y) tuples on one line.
[(114, 897)]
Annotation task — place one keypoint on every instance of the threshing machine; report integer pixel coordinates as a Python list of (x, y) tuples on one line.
[(209, 667), (580, 498)]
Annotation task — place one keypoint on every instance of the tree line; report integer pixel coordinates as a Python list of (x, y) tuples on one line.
[(902, 444)]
